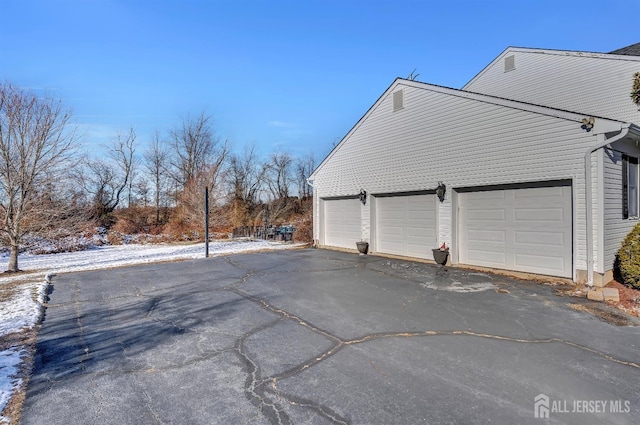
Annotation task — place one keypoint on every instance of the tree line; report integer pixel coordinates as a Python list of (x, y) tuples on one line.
[(48, 186)]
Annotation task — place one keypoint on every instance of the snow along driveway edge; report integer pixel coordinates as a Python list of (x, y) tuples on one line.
[(24, 308)]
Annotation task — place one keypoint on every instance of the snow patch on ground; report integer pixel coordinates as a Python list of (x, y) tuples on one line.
[(9, 361), (21, 309), (456, 286)]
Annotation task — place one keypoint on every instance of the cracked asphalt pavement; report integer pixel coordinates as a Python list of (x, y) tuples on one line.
[(321, 337)]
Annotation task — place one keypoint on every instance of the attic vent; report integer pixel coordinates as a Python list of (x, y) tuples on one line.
[(398, 100), (509, 63)]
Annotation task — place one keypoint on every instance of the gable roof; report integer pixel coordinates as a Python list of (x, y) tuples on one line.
[(605, 56), (604, 124), (633, 50)]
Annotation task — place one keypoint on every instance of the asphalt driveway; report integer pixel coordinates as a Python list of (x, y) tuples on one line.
[(321, 337)]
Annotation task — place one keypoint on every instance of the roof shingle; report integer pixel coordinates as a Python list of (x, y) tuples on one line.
[(633, 50)]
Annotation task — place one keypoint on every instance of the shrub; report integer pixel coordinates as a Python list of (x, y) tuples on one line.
[(629, 259)]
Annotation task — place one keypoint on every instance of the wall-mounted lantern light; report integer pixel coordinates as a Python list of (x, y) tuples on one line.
[(363, 196), (587, 124), (441, 190)]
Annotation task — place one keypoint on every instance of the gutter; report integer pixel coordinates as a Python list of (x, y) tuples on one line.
[(624, 130)]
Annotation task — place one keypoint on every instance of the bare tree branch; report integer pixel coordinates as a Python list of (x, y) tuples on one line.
[(36, 145), (304, 168), (155, 162), (105, 180)]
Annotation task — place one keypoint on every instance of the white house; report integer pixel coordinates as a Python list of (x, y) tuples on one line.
[(538, 154)]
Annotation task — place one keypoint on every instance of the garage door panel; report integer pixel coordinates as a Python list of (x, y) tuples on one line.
[(526, 229), (493, 194), (342, 222), (541, 239), (491, 215), (421, 240), (488, 258), (532, 263), (539, 214), (486, 236), (406, 225), (540, 192)]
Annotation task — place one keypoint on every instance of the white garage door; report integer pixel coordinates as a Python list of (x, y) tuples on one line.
[(526, 230), (342, 223), (406, 225)]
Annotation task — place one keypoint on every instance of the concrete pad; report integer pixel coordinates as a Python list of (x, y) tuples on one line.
[(595, 294), (611, 294)]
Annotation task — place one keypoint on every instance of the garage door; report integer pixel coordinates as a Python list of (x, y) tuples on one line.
[(406, 225), (342, 223), (526, 230)]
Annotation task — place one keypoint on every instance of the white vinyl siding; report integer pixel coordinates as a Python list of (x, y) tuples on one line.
[(527, 229), (616, 227), (593, 84), (341, 223), (406, 225), (462, 142)]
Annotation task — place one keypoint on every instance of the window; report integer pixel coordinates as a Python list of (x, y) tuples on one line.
[(630, 187)]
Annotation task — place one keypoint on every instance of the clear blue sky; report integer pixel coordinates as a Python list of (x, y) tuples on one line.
[(283, 75)]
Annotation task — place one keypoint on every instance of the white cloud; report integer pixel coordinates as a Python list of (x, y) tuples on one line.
[(280, 124)]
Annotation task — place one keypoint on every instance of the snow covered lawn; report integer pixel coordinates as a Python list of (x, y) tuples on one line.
[(22, 295)]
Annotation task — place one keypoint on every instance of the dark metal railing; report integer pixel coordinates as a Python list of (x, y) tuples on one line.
[(276, 233)]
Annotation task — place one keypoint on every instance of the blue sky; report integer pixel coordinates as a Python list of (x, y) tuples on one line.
[(284, 75)]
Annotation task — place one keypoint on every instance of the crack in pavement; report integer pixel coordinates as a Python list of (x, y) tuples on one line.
[(323, 411), (254, 390), (264, 392), (254, 387)]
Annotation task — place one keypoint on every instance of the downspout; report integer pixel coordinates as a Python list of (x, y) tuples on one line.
[(624, 130), (316, 242)]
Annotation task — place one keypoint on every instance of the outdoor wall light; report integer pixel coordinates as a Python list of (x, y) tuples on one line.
[(441, 190), (587, 124), (363, 196)]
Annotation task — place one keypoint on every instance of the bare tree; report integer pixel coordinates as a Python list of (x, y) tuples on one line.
[(246, 177), (304, 168), (142, 189), (36, 146), (197, 161), (279, 175), (193, 148), (107, 179), (155, 162), (191, 206), (279, 179)]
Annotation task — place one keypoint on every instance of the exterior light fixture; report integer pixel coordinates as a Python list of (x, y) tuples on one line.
[(363, 196), (587, 124), (441, 190)]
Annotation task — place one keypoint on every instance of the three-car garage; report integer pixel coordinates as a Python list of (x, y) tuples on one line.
[(526, 227)]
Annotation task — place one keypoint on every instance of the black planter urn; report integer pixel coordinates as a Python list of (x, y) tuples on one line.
[(440, 256), (363, 247)]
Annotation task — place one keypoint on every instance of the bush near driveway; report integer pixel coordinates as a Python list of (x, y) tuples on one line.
[(629, 259)]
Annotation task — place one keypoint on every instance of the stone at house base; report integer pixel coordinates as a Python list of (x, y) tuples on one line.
[(599, 279), (611, 294), (595, 294), (604, 294)]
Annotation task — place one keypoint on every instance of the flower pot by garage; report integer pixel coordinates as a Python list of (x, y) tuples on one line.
[(440, 256), (363, 247)]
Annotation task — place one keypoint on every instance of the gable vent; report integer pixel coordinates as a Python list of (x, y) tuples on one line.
[(398, 100), (509, 63)]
